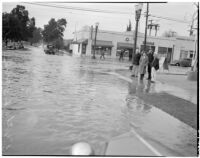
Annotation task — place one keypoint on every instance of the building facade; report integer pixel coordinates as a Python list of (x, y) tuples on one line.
[(112, 43)]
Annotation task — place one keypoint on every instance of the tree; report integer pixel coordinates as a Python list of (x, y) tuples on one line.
[(54, 30), (37, 36), (30, 29), (58, 43), (5, 30), (16, 25), (129, 27), (170, 33)]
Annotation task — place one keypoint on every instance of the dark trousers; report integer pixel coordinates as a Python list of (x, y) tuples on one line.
[(149, 71)]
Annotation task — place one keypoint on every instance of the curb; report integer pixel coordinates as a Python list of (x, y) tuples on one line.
[(171, 74)]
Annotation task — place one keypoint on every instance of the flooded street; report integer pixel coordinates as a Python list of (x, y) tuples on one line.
[(51, 102)]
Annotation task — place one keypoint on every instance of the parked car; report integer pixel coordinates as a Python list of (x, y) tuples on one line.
[(186, 62), (49, 50), (10, 47)]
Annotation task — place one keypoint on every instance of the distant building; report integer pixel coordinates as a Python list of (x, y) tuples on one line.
[(174, 48), (67, 44)]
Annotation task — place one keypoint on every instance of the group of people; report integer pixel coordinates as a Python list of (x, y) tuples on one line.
[(143, 61)]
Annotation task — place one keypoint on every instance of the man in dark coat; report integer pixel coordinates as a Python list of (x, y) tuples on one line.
[(150, 57), (155, 67)]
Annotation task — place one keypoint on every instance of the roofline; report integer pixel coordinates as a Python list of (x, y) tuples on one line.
[(139, 35)]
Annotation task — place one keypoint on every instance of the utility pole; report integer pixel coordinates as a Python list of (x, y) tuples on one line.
[(195, 17), (153, 26), (156, 28), (145, 38), (150, 27), (191, 31), (95, 40)]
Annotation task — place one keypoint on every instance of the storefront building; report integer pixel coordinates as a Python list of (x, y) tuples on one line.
[(174, 48)]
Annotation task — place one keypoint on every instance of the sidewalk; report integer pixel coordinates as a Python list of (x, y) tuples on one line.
[(182, 83), (171, 93)]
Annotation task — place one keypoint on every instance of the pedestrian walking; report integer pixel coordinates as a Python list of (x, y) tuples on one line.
[(136, 60), (121, 55), (142, 65), (102, 54), (150, 57), (155, 67)]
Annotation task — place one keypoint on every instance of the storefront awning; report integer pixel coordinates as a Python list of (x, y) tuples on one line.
[(124, 45), (103, 43), (83, 41)]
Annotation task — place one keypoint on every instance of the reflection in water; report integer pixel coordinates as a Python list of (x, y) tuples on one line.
[(133, 101), (148, 85)]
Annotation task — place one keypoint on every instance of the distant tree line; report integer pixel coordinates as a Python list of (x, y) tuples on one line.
[(18, 27)]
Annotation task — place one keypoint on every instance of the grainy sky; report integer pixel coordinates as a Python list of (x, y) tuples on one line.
[(111, 21)]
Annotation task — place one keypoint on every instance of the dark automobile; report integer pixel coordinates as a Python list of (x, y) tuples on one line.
[(186, 62), (50, 50)]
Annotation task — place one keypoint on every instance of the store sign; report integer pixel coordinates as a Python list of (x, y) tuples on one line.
[(149, 43)]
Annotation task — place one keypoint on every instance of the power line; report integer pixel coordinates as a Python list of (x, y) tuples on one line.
[(167, 18), (82, 9), (105, 11)]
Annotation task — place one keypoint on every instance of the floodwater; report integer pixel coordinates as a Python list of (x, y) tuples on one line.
[(51, 102)]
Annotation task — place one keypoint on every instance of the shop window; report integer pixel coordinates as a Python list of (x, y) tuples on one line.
[(183, 54), (126, 52), (148, 47), (108, 51), (83, 48), (162, 50), (118, 52), (169, 50), (99, 49)]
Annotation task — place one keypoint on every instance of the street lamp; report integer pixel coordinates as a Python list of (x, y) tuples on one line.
[(138, 9), (145, 35), (95, 39)]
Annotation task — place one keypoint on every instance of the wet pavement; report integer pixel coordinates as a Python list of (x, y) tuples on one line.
[(52, 102)]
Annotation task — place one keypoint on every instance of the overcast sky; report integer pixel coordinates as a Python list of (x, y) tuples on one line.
[(111, 21)]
